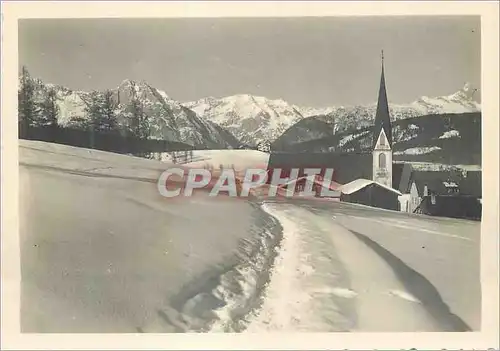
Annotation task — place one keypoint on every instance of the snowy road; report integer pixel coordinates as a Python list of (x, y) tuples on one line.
[(341, 265)]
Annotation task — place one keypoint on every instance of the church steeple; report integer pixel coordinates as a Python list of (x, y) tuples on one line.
[(382, 137), (382, 117)]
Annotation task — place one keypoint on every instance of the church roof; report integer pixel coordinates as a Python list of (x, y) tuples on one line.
[(382, 116)]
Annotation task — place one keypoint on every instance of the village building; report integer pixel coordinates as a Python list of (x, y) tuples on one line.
[(450, 193)]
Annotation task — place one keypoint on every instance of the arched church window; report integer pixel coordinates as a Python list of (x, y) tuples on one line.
[(381, 161), (382, 139)]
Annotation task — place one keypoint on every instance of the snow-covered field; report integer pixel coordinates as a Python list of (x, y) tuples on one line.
[(238, 159), (102, 251)]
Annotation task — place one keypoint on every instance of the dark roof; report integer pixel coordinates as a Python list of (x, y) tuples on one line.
[(471, 183), (382, 116), (468, 184), (434, 181), (347, 166), (401, 174)]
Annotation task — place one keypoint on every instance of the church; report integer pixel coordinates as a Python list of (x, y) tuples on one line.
[(365, 178), (373, 178)]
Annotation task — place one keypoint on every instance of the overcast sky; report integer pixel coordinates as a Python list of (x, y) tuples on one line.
[(306, 61)]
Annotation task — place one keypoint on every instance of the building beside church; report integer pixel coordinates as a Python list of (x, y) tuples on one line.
[(442, 193)]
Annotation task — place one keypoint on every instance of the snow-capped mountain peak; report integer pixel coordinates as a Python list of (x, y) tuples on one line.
[(465, 94), (458, 102), (252, 119)]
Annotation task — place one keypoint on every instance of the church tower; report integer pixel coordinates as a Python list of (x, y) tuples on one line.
[(382, 137)]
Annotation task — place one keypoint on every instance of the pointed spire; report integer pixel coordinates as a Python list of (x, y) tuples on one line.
[(382, 117)]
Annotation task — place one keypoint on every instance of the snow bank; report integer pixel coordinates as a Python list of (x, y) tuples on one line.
[(101, 247)]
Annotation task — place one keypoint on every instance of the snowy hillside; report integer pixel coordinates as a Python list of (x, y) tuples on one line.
[(335, 121), (252, 119), (167, 119), (445, 138)]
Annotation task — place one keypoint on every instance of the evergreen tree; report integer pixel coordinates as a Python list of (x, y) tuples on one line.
[(100, 110), (49, 111), (93, 110), (27, 107), (108, 120), (138, 125)]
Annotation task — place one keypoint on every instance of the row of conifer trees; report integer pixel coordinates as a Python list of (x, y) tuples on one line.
[(38, 107)]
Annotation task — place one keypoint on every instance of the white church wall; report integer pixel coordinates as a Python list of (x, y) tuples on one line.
[(382, 174)]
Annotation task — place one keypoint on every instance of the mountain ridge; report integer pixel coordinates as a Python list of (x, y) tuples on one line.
[(248, 119), (166, 118), (238, 113)]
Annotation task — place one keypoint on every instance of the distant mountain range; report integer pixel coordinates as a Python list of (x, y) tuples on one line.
[(246, 119), (253, 119), (167, 118)]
